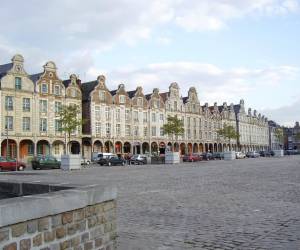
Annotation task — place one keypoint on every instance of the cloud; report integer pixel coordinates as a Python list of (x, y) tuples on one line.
[(212, 82), (63, 26), (285, 115)]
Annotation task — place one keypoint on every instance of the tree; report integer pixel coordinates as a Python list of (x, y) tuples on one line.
[(279, 135), (69, 121), (173, 127), (228, 132)]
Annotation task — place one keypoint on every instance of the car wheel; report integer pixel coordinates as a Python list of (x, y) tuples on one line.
[(21, 168), (88, 162), (109, 164), (192, 160), (123, 163)]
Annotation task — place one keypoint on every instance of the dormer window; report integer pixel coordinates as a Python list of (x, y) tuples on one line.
[(73, 93), (122, 99), (56, 90), (44, 88), (102, 96), (140, 102), (18, 83)]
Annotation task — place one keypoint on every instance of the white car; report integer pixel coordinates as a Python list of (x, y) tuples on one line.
[(240, 155)]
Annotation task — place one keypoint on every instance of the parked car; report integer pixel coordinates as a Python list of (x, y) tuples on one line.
[(103, 156), (138, 159), (252, 154), (11, 164), (103, 160), (240, 155), (114, 160), (192, 158), (85, 161), (45, 162), (265, 153), (207, 156), (218, 155)]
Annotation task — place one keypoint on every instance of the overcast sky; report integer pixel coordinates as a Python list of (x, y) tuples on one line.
[(228, 49)]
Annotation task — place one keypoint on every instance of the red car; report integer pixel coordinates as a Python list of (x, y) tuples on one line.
[(11, 164), (192, 157)]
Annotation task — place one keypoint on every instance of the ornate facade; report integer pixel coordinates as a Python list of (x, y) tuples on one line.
[(29, 110), (123, 121), (117, 121)]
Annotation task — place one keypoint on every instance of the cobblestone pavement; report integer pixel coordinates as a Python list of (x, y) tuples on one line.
[(242, 204)]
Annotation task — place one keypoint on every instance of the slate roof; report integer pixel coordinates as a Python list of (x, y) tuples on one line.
[(148, 96), (35, 77), (113, 92), (185, 99), (164, 96), (131, 93), (87, 88), (67, 82), (4, 68), (236, 108)]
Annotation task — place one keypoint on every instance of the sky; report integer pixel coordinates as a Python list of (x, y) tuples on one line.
[(228, 49)]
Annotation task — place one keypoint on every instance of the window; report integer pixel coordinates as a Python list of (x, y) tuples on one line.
[(57, 107), (136, 116), (145, 131), (74, 93), (127, 130), (18, 83), (145, 116), (175, 105), (161, 117), (107, 129), (140, 102), (9, 123), (58, 126), (136, 131), (97, 113), (195, 123), (153, 130), (194, 108), (122, 99), (118, 129), (98, 128), (56, 149), (43, 106), (43, 125), (26, 123), (102, 96), (158, 104), (26, 104), (118, 115), (161, 131), (56, 90), (127, 115), (188, 121), (44, 88), (153, 117), (107, 113), (9, 104)]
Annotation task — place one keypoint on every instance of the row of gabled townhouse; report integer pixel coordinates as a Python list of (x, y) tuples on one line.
[(117, 121)]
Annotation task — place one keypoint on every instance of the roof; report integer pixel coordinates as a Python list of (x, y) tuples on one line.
[(66, 82), (87, 88), (131, 93), (4, 68), (113, 92), (35, 77), (148, 96), (164, 96), (185, 99)]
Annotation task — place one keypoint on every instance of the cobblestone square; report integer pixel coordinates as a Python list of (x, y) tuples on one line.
[(242, 204)]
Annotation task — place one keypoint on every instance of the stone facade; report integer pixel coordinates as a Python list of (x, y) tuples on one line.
[(30, 106), (92, 227), (123, 121), (117, 121)]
